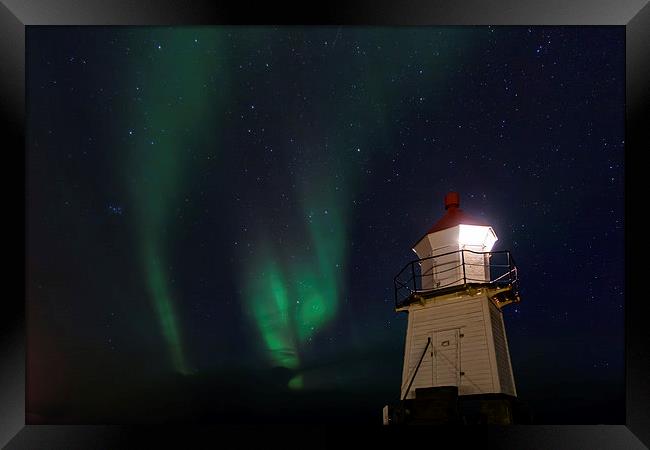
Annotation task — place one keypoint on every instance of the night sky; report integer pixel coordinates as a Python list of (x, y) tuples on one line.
[(215, 214)]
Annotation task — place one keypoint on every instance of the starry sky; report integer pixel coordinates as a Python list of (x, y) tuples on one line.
[(215, 214)]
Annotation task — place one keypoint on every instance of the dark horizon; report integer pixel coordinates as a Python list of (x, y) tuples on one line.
[(228, 206)]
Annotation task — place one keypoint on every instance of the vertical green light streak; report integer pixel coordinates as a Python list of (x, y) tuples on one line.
[(320, 281), (269, 301), (176, 83), (293, 299), (159, 290)]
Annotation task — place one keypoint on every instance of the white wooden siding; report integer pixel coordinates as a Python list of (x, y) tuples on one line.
[(465, 315), (447, 270), (501, 349), (437, 243), (482, 346), (477, 268)]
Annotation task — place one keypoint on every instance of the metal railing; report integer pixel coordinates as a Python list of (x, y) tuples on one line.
[(417, 368), (457, 268)]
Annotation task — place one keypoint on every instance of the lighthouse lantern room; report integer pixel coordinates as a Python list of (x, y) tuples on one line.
[(453, 295), (441, 263)]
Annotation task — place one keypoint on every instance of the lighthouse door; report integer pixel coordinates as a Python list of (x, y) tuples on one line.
[(446, 356)]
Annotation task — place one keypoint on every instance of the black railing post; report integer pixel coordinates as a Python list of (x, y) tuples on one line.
[(401, 283), (395, 285), (462, 256), (413, 276), (417, 368)]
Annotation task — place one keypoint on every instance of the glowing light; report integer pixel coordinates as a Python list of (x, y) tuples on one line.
[(476, 235)]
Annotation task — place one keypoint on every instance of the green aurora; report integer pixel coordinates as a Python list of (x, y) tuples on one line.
[(291, 299), (184, 79), (171, 70)]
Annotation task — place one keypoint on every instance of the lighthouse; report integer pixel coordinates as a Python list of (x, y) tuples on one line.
[(456, 366)]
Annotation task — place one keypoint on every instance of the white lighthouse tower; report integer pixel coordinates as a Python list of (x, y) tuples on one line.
[(456, 350)]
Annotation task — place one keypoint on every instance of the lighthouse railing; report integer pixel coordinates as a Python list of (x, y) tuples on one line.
[(452, 269)]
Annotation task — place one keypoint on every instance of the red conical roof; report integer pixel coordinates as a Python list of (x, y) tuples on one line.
[(454, 215)]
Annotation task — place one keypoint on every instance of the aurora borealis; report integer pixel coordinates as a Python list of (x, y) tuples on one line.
[(174, 109), (215, 211)]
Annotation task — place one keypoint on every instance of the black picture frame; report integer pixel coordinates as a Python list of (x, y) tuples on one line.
[(16, 15)]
